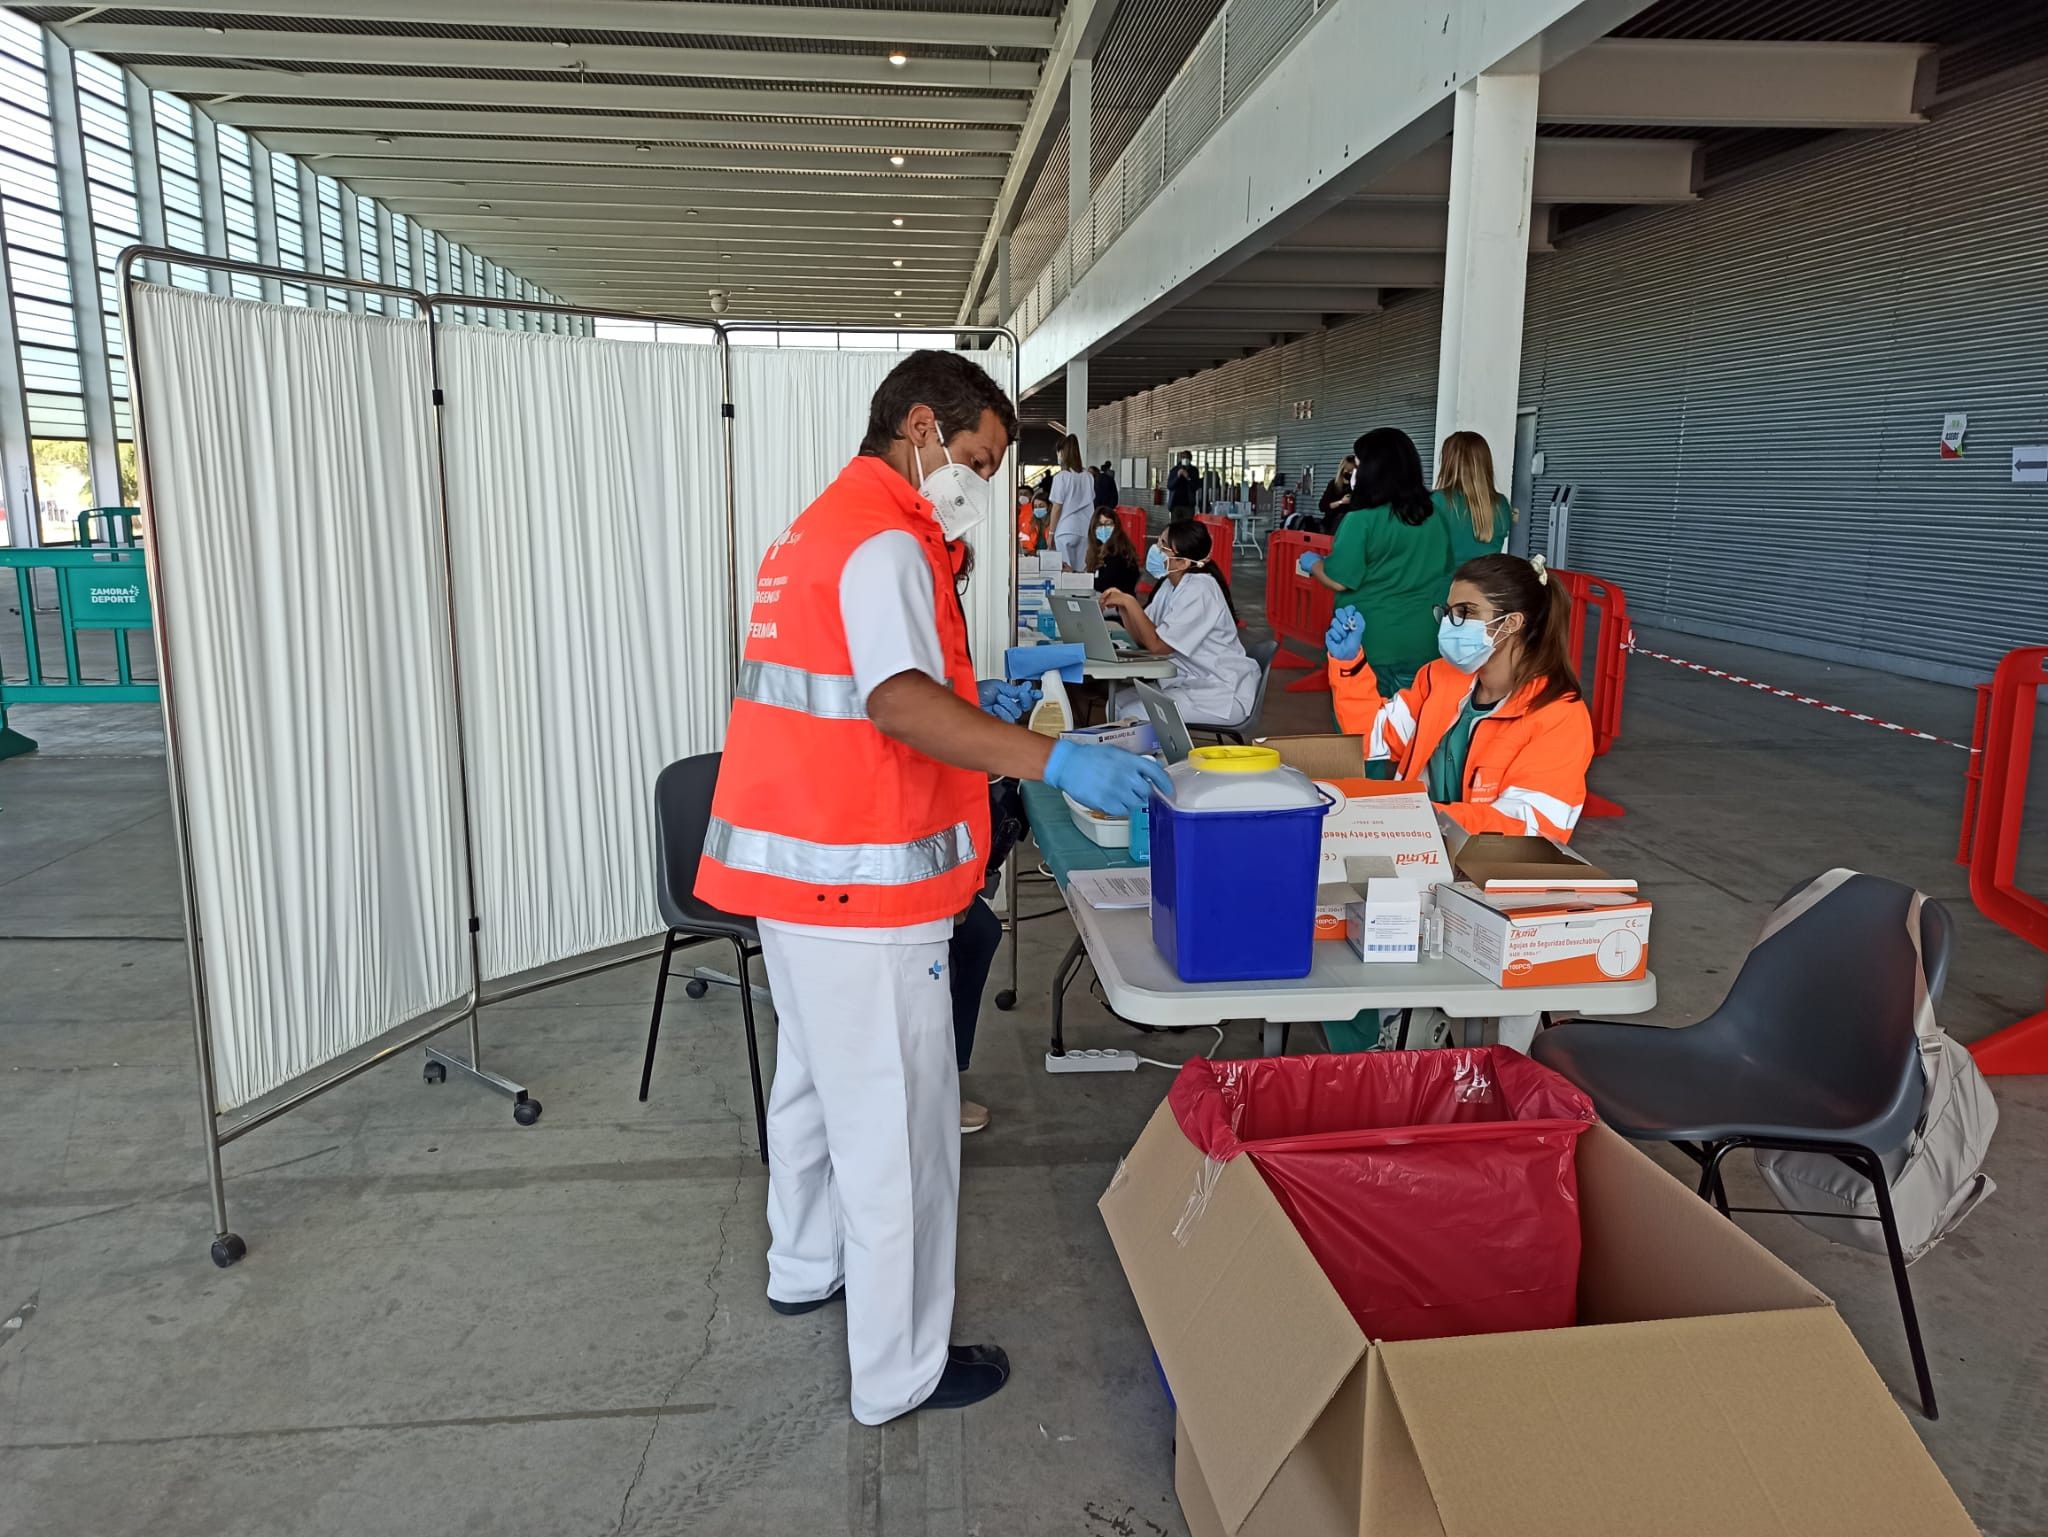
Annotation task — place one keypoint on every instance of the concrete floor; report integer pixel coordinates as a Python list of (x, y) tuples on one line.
[(447, 1323)]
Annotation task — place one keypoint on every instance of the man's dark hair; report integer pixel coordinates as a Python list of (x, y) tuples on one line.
[(956, 389)]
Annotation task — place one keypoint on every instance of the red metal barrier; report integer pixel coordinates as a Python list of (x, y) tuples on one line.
[(1599, 653), (1222, 539), (1133, 520), (1298, 608), (1973, 776), (2006, 740)]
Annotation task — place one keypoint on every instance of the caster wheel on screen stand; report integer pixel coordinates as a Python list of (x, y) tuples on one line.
[(696, 987), (434, 1072), (1006, 1000), (526, 1111), (228, 1248)]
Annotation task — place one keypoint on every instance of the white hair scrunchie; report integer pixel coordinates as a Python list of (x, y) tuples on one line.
[(1542, 569)]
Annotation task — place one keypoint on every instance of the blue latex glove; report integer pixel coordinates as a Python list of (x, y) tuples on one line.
[(1114, 782), (1308, 563), (1007, 701), (1346, 636)]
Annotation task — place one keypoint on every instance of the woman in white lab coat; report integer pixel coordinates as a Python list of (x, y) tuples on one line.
[(1191, 619), (1073, 506)]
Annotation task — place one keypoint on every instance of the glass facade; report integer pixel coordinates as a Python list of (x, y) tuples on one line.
[(133, 166)]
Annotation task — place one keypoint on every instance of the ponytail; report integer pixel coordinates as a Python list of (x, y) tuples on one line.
[(1191, 542), (1527, 587)]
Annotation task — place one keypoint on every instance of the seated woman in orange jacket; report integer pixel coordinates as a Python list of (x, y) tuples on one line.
[(1497, 728)]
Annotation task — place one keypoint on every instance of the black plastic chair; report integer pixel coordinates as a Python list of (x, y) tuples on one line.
[(682, 811), (1813, 1050), (1236, 730)]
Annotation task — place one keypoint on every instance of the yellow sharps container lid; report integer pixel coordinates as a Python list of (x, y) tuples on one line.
[(1226, 759)]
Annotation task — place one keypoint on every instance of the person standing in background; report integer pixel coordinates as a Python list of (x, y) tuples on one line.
[(1336, 498), (1477, 516), (1073, 504), (1183, 485), (1106, 494), (1392, 558)]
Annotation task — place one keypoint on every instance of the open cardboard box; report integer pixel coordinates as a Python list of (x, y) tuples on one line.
[(1707, 1390)]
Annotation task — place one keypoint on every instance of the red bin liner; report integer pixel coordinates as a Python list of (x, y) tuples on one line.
[(1437, 1189)]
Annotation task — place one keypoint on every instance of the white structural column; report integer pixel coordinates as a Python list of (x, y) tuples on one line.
[(1493, 157), (149, 187), (213, 217), (1080, 186), (265, 194), (74, 200), (17, 467)]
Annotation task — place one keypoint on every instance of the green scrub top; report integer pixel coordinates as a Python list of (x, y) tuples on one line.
[(1447, 763), (1394, 574), (1466, 545)]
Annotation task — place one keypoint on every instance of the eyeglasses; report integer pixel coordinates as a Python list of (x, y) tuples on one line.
[(1460, 614)]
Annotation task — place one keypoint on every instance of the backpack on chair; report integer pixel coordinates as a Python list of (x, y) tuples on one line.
[(1937, 1178)]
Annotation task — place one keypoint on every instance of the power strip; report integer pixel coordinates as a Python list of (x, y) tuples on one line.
[(1092, 1062)]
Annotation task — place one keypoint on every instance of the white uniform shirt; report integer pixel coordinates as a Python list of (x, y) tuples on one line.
[(1213, 679), (885, 602), (1073, 492)]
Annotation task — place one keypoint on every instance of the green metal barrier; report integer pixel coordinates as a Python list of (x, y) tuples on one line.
[(97, 589), (117, 525)]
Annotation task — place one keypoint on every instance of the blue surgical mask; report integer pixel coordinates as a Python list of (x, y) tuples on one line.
[(1155, 563), (1103, 535), (1465, 646)]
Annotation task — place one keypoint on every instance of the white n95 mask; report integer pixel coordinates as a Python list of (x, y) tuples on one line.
[(959, 497)]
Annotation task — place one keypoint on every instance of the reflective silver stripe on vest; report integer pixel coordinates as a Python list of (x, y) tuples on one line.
[(829, 696), (839, 864)]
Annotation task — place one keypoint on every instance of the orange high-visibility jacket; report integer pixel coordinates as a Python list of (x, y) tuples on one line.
[(1526, 771), (818, 817)]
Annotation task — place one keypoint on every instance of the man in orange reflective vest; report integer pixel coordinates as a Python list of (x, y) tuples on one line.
[(851, 819)]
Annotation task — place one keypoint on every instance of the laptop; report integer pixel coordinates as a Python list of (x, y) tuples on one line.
[(1167, 725), (1080, 621)]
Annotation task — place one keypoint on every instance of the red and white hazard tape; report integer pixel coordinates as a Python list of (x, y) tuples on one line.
[(1785, 693)]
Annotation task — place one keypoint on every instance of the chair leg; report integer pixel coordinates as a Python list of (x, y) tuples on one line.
[(1711, 1188), (753, 1046), (1873, 1170), (654, 1024)]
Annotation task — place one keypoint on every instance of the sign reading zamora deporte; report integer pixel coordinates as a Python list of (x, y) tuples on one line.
[(107, 597)]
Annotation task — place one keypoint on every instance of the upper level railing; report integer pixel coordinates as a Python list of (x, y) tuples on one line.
[(1241, 45)]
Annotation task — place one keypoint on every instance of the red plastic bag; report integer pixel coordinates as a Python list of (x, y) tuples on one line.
[(1437, 1189)]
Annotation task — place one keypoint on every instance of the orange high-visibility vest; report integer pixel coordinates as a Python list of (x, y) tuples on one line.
[(818, 817), (1526, 771)]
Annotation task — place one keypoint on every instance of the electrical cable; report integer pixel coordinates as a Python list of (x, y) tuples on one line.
[(1177, 1066)]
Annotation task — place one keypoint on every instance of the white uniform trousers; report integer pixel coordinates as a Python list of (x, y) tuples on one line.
[(864, 1152), (1071, 540)]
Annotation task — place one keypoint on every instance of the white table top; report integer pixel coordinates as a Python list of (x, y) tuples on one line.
[(1141, 986)]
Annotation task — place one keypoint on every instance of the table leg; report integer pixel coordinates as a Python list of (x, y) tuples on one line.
[(1006, 999), (1062, 979), (1272, 1039), (1519, 1030)]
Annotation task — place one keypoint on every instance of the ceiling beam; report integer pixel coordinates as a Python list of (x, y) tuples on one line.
[(553, 269), (555, 160), (867, 67), (1082, 27), (1343, 269), (1193, 322), (1395, 228), (1566, 171), (804, 229), (906, 28), (711, 201), (392, 121), (709, 189), (1679, 83), (1321, 298), (430, 90)]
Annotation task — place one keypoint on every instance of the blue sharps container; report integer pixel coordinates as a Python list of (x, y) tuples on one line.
[(1234, 861)]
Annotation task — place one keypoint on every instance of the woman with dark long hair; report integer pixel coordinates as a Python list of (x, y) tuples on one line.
[(1112, 558), (1192, 619), (1391, 557), (1495, 725)]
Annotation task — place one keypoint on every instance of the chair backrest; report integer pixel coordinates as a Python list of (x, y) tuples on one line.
[(1937, 941), (682, 812), (1263, 653), (1829, 999)]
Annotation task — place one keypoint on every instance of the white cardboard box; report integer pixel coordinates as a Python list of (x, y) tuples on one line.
[(1386, 924), (1515, 943)]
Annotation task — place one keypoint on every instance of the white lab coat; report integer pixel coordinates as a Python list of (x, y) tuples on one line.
[(1213, 680), (1074, 492)]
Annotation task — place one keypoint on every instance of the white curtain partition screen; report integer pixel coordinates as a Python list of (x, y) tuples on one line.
[(291, 462), (586, 493), (799, 415)]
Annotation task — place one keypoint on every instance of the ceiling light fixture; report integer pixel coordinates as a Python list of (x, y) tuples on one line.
[(483, 207), (899, 293), (897, 222), (218, 31), (899, 314), (561, 42), (725, 256), (895, 160), (899, 58), (382, 140), (897, 262), (642, 148), (690, 213)]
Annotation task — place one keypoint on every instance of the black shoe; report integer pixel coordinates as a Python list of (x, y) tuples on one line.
[(973, 1372), (794, 1309)]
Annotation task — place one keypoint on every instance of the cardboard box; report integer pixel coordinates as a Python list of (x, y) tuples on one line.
[(1534, 941), (1501, 861), (1707, 1391), (1385, 924), (1131, 735), (1372, 819)]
